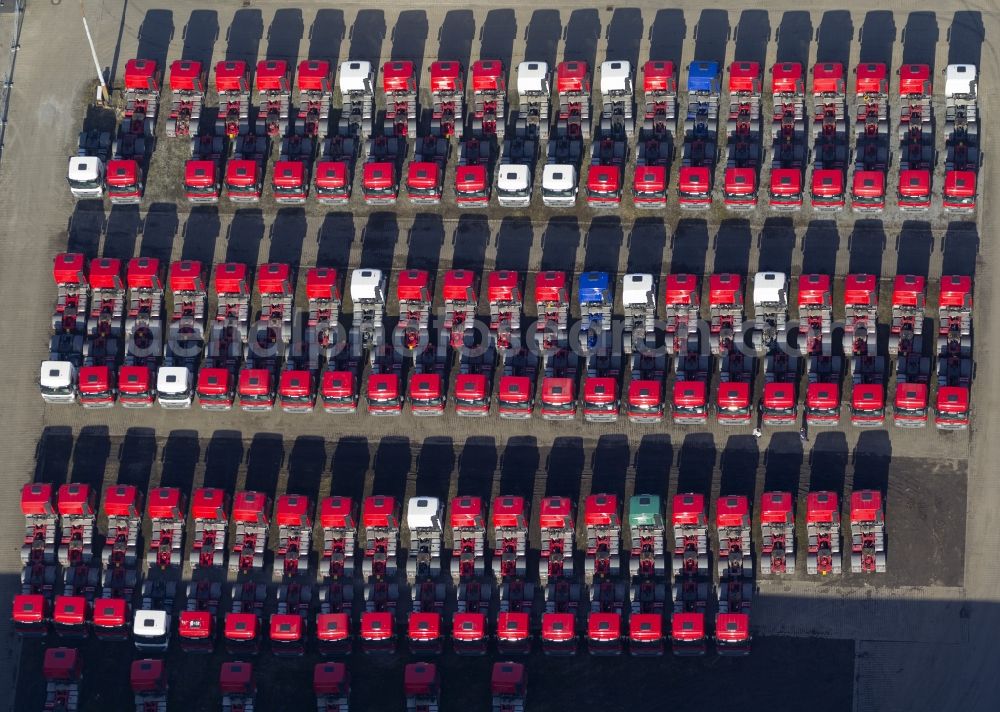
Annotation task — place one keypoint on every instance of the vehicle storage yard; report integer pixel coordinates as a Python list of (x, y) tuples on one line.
[(870, 637)]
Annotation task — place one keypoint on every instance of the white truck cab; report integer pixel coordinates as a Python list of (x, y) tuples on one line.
[(559, 185), (513, 186), (57, 382), (174, 387)]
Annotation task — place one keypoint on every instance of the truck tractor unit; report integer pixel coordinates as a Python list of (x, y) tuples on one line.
[(148, 679), (823, 532), (274, 98), (732, 619), (238, 687), (602, 572), (509, 518), (516, 171), (126, 172), (97, 385), (314, 81), (232, 84), (868, 376), (216, 384), (243, 623), (691, 579), (601, 391), (425, 522), (825, 369), (62, 670), (138, 375), (245, 168), (422, 687), (557, 527), (384, 389), (387, 151), (334, 174), (288, 626), (120, 558), (58, 374), (87, 169), (269, 339), (293, 517), (332, 685), (647, 570), (203, 172), (480, 146), (871, 138), (473, 383), (744, 127), (328, 358), (737, 369), (252, 517), (186, 332), (561, 172), (188, 84), (916, 137), (828, 187), (425, 175), (779, 402), (954, 348), (644, 396), (32, 606), (609, 154), (788, 137), (197, 624), (656, 139), (860, 318), (961, 130), (166, 512), (338, 521), (164, 556), (508, 687), (777, 530), (381, 522), (210, 513), (473, 591), (701, 131), (515, 387), (290, 179), (906, 346), (867, 532), (559, 361), (426, 387), (690, 389), (151, 625), (72, 611)]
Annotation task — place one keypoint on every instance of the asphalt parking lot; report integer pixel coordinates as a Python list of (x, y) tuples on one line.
[(927, 475)]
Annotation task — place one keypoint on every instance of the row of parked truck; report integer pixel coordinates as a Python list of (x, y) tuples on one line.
[(124, 337), (318, 149), (481, 591)]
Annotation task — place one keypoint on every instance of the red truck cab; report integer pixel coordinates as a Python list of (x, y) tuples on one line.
[(867, 405), (959, 194), (296, 392), (215, 389), (472, 394), (333, 633), (604, 633), (732, 634), (914, 192), (31, 613), (378, 183), (338, 392), (777, 405), (97, 387), (423, 630), (244, 180), (600, 399), (558, 398), (645, 401), (468, 633), (255, 389), (868, 191), (951, 411), (197, 631), (332, 182), (823, 404), (690, 403), (202, 182), (71, 617), (290, 182), (827, 189), (604, 186), (513, 633), (514, 397), (241, 632), (687, 634), (909, 408), (786, 189), (135, 387), (649, 187), (383, 394), (740, 188), (732, 404), (559, 634), (472, 188), (424, 182), (694, 187), (426, 394), (645, 634), (287, 634), (378, 632), (124, 181)]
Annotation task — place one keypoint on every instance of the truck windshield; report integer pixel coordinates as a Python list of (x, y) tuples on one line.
[(202, 189), (288, 190), (785, 197), (255, 397), (871, 413), (513, 193), (424, 402), (413, 190), (383, 401), (215, 397), (968, 200), (608, 407), (649, 193), (779, 411), (868, 199), (388, 190), (84, 184), (591, 191), (734, 408), (826, 199), (470, 401), (338, 399), (57, 390), (296, 399), (693, 409), (124, 188), (918, 412), (693, 193), (824, 411), (560, 406), (553, 193), (95, 395), (644, 407), (470, 193)]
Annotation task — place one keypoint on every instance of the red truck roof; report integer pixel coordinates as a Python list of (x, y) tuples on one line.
[(337, 384), (732, 511), (414, 285), (514, 389), (289, 174), (398, 76), (828, 78), (732, 627), (36, 499), (555, 513), (509, 512), (251, 507), (779, 395), (822, 507), (213, 381), (689, 508), (471, 386), (600, 389), (558, 390), (148, 676), (168, 503), (952, 399), (75, 499), (867, 396), (725, 289), (241, 626), (607, 179), (274, 278), (337, 513), (648, 393), (94, 379), (186, 276), (420, 679), (466, 513), (331, 174), (295, 383), (200, 174), (143, 273), (733, 395), (510, 679), (254, 381), (122, 171), (331, 679), (293, 510), (601, 510), (777, 508), (285, 627), (503, 286), (62, 664), (314, 75), (915, 80), (446, 76), (786, 181), (871, 78), (69, 268), (689, 394), (488, 75), (814, 289), (29, 608), (659, 75), (110, 612), (604, 626), (823, 395), (513, 626), (332, 627), (383, 386), (550, 287), (379, 511), (694, 179), (425, 386), (740, 181), (187, 75), (378, 175), (960, 184), (687, 626), (232, 75), (122, 501), (376, 625), (914, 183), (70, 610), (468, 627), (786, 78), (272, 75), (573, 77), (470, 179), (744, 77), (645, 627), (558, 627), (956, 291), (861, 289), (141, 74), (209, 503), (869, 184), (649, 179), (827, 182), (423, 174), (424, 626), (242, 172), (321, 283), (866, 506), (911, 395), (460, 285), (236, 678), (134, 379)]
